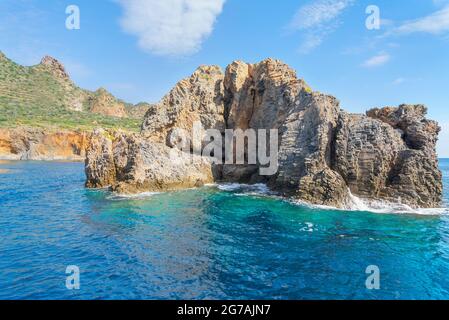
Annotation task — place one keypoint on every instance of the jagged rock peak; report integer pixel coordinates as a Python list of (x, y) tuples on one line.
[(270, 68), (418, 132), (395, 116), (208, 69), (256, 95), (55, 67)]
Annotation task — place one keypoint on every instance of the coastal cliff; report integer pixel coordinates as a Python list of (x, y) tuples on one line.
[(45, 116), (38, 144), (324, 153)]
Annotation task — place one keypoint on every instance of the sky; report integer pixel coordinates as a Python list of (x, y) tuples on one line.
[(139, 49)]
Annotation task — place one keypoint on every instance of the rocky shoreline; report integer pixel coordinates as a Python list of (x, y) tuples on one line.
[(24, 143), (45, 116), (324, 152)]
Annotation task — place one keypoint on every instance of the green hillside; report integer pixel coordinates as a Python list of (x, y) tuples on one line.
[(44, 96)]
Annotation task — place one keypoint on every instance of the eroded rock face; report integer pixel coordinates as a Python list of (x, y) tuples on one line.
[(419, 133), (99, 164), (260, 95), (324, 187), (265, 95), (384, 155), (324, 152), (306, 145), (197, 98), (38, 144), (268, 95), (414, 178), (365, 150), (129, 163)]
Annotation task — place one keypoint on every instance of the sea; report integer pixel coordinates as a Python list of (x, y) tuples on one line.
[(59, 240)]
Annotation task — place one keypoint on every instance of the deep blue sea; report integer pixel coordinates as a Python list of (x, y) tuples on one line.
[(205, 244)]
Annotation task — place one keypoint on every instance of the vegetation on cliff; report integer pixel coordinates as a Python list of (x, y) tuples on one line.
[(44, 96)]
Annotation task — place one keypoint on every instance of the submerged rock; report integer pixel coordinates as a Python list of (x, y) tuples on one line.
[(324, 153)]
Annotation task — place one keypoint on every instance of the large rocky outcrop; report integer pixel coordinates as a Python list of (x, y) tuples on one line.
[(324, 153)]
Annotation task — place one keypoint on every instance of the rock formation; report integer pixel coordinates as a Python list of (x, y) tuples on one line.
[(324, 152), (54, 67)]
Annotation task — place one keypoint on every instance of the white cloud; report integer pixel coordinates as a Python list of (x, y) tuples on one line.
[(386, 22), (436, 23), (318, 19), (318, 12), (311, 41), (377, 60), (170, 27)]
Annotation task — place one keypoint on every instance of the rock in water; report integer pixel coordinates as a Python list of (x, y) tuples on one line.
[(130, 163), (100, 166), (414, 177), (324, 152)]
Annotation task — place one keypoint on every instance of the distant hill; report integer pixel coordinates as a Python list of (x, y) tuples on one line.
[(44, 96)]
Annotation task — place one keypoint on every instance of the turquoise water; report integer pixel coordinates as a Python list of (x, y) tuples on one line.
[(205, 244)]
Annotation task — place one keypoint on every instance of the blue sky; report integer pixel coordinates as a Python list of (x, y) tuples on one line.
[(138, 49)]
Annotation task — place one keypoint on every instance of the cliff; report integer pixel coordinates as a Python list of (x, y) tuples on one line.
[(38, 144), (324, 153), (45, 116)]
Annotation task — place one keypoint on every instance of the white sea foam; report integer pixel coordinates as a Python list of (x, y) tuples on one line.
[(309, 227), (229, 186), (377, 206), (141, 195), (245, 189)]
